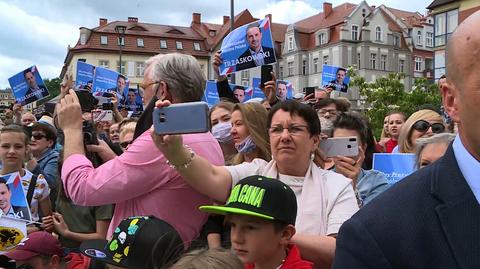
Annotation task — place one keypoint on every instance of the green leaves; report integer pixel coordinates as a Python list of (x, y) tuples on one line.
[(388, 93)]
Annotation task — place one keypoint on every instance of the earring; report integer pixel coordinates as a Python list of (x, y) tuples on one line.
[(312, 155)]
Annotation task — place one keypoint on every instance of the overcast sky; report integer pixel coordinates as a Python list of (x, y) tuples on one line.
[(39, 32)]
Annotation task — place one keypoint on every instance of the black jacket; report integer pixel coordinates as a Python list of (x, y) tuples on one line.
[(430, 219)]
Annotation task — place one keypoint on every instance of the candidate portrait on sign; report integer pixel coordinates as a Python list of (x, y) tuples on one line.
[(338, 83), (34, 92), (256, 54), (9, 210), (119, 90)]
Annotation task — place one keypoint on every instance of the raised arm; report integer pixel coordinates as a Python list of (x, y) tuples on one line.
[(206, 178)]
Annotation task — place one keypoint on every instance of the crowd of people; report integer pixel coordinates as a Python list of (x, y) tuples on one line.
[(254, 192)]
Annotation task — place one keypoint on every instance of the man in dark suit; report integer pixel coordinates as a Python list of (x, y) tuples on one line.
[(117, 91), (338, 83), (34, 92), (256, 54), (430, 219)]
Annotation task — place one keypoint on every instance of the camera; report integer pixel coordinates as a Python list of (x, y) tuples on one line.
[(89, 134)]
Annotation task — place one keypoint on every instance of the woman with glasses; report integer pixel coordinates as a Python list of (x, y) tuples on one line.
[(423, 123), (326, 199)]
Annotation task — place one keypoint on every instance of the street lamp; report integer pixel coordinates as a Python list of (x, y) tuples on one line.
[(232, 16), (120, 30)]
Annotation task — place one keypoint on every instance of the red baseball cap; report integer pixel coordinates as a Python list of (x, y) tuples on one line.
[(35, 244)]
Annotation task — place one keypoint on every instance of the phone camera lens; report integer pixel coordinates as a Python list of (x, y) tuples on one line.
[(349, 146)]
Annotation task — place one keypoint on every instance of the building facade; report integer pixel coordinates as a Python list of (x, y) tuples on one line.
[(447, 14)]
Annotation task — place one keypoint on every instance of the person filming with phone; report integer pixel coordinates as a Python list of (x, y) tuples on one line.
[(140, 181)]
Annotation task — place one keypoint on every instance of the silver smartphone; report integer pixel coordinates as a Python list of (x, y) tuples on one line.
[(184, 118), (340, 146)]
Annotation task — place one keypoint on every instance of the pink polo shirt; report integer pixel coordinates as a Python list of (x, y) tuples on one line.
[(140, 182)]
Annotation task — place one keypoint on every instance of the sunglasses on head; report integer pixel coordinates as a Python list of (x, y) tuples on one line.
[(423, 125)]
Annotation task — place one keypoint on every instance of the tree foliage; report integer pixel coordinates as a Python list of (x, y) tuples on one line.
[(388, 93), (53, 86)]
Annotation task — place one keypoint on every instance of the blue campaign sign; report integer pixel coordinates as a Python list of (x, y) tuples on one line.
[(107, 83), (211, 97), (257, 92), (85, 74), (284, 90), (395, 166), (335, 77), (133, 101), (247, 46), (28, 86), (19, 207)]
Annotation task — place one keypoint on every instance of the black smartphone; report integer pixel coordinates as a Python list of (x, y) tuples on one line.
[(107, 106), (266, 74), (87, 101), (309, 90)]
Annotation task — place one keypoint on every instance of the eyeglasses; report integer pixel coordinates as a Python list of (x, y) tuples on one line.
[(292, 129), (423, 125), (125, 144), (143, 86), (38, 136)]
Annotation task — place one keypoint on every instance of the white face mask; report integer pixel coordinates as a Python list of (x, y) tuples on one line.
[(221, 132), (247, 146)]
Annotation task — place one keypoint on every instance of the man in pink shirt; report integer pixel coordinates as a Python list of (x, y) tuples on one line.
[(140, 182)]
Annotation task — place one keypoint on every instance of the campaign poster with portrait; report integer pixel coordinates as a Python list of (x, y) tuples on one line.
[(28, 86), (395, 166), (133, 101), (85, 74), (248, 46), (211, 96), (13, 200), (257, 92), (284, 90), (335, 77), (108, 83)]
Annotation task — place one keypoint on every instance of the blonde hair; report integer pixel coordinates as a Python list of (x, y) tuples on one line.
[(208, 258), (126, 128), (255, 119), (405, 143)]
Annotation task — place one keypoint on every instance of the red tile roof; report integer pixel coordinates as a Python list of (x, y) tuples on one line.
[(318, 21), (411, 19)]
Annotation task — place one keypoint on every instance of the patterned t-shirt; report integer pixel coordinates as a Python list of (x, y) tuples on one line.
[(42, 191)]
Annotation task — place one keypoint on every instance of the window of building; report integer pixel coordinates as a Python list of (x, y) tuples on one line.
[(121, 41), (304, 67), (315, 65), (121, 69), (358, 60), (212, 33), (139, 69), (396, 41), (179, 45), (281, 72), (354, 32), (290, 43), (140, 42), (196, 46), (163, 44), (290, 68), (245, 75), (419, 38), (383, 62), (401, 66), (322, 39), (82, 60), (445, 24), (103, 63), (83, 38), (429, 39), (325, 59), (418, 64), (373, 60), (378, 33), (104, 40)]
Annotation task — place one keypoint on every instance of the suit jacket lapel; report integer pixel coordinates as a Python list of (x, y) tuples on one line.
[(458, 211)]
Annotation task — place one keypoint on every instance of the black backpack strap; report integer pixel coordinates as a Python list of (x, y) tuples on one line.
[(31, 188)]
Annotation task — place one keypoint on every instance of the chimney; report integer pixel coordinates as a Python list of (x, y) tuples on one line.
[(102, 22), (132, 19), (226, 19), (196, 18), (269, 17), (327, 9)]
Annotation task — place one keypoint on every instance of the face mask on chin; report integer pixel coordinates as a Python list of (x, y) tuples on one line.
[(246, 146), (221, 132)]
